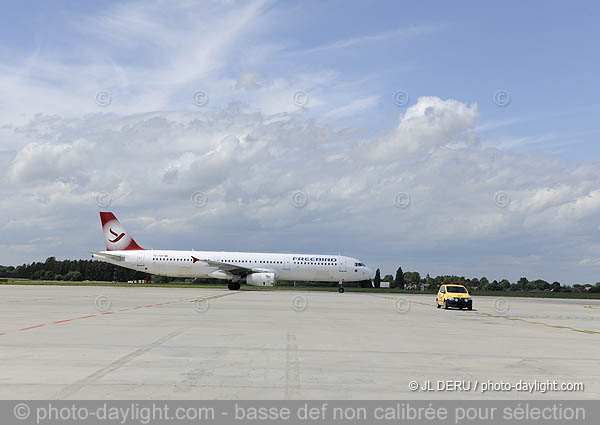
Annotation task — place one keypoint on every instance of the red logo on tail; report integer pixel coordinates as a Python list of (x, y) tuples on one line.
[(118, 237)]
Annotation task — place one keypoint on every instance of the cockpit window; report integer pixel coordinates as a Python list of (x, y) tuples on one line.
[(359, 265)]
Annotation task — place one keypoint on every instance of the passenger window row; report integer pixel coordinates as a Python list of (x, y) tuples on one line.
[(224, 261), (255, 261), (171, 259)]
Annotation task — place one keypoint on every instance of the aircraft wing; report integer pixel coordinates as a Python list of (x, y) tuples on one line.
[(229, 268)]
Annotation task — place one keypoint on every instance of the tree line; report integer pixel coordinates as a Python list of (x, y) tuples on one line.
[(79, 270), (413, 280), (71, 270)]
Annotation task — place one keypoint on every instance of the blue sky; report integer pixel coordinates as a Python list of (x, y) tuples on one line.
[(348, 59), (544, 57)]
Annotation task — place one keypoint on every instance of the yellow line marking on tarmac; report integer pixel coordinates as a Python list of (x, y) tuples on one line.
[(592, 306), (481, 313), (586, 331), (395, 298), (212, 297), (539, 323)]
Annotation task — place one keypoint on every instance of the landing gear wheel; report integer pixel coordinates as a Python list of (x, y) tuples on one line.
[(341, 290), (233, 286)]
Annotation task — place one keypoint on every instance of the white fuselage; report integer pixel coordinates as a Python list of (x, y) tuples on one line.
[(294, 267)]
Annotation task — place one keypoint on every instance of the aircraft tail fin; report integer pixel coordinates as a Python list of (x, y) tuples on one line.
[(116, 237)]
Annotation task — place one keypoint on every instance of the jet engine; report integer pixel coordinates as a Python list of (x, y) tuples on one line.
[(261, 279)]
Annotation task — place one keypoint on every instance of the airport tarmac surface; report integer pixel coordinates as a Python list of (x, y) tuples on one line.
[(59, 342)]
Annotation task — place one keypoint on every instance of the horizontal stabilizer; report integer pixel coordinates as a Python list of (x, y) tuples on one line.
[(104, 255)]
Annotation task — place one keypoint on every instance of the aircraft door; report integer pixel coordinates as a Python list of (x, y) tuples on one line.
[(140, 259), (342, 265)]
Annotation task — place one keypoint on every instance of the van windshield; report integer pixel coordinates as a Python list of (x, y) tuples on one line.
[(456, 289)]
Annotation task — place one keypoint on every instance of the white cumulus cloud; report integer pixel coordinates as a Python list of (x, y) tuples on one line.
[(248, 164)]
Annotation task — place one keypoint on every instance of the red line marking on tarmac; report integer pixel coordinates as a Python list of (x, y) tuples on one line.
[(76, 318), (84, 317), (94, 315), (32, 327)]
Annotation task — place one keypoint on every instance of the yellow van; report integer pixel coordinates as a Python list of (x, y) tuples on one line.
[(453, 294)]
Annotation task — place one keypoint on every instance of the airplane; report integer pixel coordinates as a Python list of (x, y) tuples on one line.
[(251, 268)]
